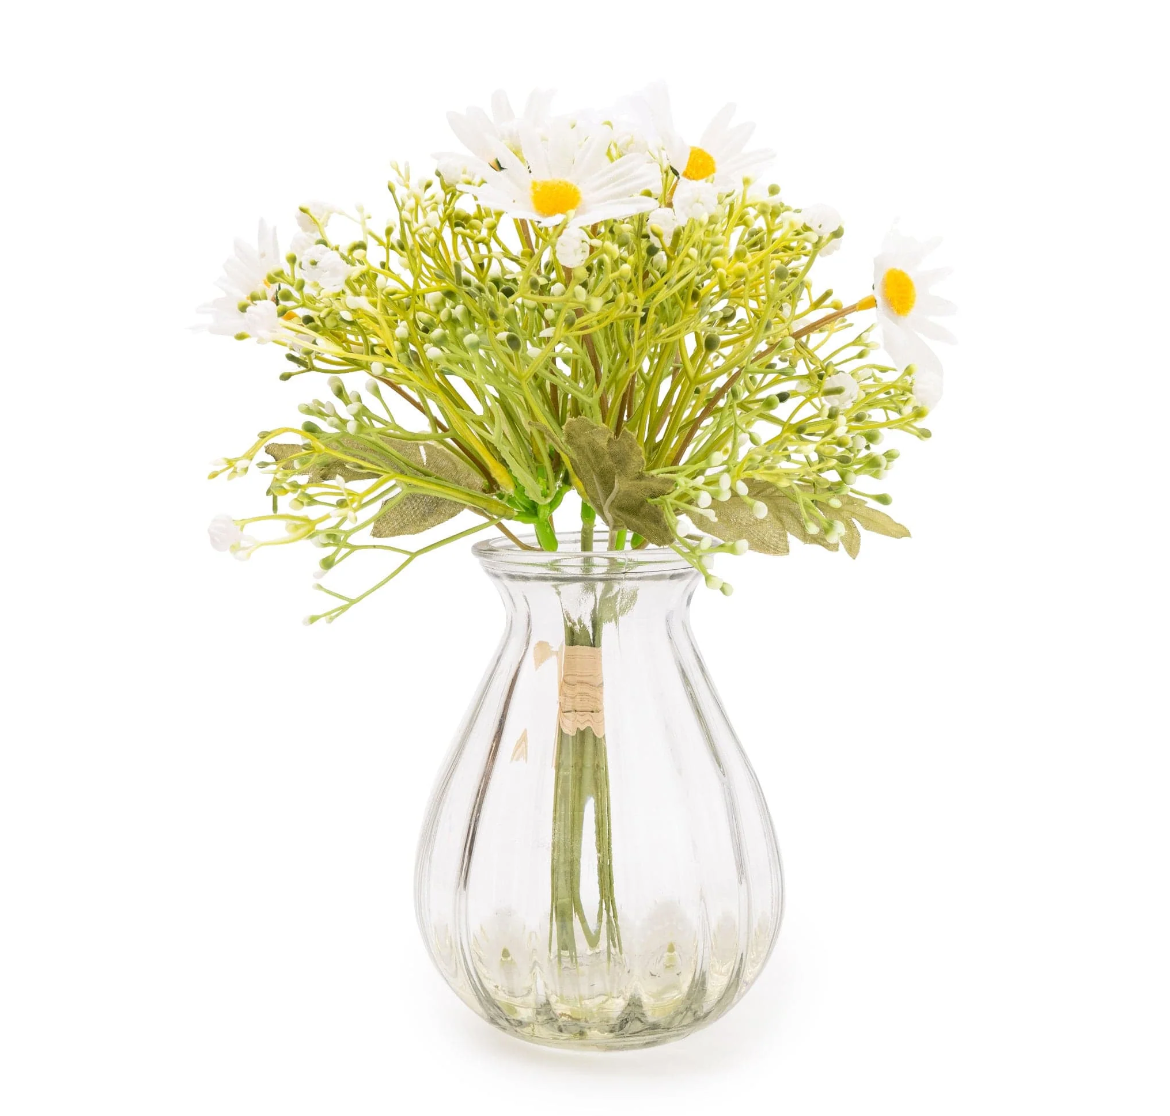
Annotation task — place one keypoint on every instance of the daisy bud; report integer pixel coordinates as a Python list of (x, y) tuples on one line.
[(726, 589), (434, 353), (378, 368), (471, 341), (704, 499), (714, 582), (352, 427), (741, 546), (372, 387), (759, 509), (724, 482), (354, 408), (402, 333), (704, 543), (741, 489)]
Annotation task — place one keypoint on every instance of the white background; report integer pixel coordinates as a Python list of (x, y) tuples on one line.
[(208, 812)]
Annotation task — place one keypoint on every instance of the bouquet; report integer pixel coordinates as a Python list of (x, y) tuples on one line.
[(591, 304)]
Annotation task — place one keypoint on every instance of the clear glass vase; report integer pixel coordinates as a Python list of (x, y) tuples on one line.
[(598, 867)]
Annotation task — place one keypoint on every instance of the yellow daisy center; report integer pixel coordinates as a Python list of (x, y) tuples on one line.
[(553, 196), (700, 164), (899, 290)]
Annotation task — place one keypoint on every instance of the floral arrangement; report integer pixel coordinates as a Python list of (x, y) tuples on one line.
[(589, 303)]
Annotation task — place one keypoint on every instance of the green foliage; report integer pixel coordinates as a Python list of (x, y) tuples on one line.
[(612, 472), (676, 384)]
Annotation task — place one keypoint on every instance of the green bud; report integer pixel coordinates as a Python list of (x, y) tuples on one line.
[(513, 342), (310, 427), (711, 342)]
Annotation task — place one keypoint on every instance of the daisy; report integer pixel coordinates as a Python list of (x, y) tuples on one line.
[(244, 274), (719, 156), (479, 133), (568, 172), (905, 305), (248, 269)]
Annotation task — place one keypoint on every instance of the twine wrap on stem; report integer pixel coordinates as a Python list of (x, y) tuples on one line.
[(581, 697)]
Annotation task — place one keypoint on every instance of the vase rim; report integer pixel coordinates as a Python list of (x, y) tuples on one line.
[(570, 562)]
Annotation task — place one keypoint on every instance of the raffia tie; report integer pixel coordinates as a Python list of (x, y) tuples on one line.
[(581, 694)]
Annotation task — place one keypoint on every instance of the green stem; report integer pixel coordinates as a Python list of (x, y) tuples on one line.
[(581, 775)]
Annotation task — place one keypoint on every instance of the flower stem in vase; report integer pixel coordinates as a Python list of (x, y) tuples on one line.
[(581, 778)]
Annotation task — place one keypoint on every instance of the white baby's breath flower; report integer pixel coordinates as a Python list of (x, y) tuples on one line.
[(223, 532), (566, 175), (303, 242), (317, 217), (848, 393), (824, 220), (666, 219), (358, 302), (572, 247), (324, 267), (696, 200), (905, 305), (263, 322)]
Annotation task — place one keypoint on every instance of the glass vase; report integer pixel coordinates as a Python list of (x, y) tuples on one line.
[(597, 868)]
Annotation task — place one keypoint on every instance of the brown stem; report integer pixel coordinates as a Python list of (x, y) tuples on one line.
[(712, 403), (867, 303), (470, 457), (512, 538)]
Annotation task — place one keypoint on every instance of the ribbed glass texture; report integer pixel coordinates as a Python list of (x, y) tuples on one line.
[(598, 868)]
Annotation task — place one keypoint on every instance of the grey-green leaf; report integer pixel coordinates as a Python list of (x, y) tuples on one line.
[(613, 473)]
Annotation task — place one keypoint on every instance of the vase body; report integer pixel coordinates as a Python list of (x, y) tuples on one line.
[(598, 868)]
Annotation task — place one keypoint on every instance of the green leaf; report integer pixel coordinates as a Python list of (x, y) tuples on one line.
[(734, 520), (613, 473), (873, 520), (406, 513), (412, 512)]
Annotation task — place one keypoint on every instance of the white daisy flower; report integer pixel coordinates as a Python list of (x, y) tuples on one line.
[(244, 273), (224, 532), (848, 393), (906, 306), (479, 133), (567, 172), (824, 220), (572, 248), (247, 270), (718, 157), (259, 320)]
